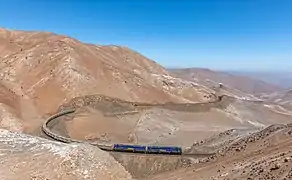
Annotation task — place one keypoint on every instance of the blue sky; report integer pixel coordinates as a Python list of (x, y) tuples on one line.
[(218, 34)]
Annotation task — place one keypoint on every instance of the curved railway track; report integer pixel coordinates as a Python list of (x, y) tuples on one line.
[(63, 139)]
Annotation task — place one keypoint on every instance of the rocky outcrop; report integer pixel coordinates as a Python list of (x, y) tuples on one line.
[(27, 157)]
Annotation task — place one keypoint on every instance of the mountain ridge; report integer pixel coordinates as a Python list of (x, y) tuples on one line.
[(245, 84), (50, 69)]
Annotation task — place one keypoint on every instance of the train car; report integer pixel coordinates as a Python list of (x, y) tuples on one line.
[(129, 148), (164, 150)]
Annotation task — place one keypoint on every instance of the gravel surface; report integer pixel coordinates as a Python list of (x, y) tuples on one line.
[(24, 157)]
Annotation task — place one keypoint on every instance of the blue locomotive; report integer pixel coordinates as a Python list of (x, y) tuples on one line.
[(147, 149)]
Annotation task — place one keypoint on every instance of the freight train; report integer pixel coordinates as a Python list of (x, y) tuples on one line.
[(147, 149)]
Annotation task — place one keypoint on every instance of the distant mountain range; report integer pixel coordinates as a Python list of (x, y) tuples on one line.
[(41, 72), (279, 78), (232, 80)]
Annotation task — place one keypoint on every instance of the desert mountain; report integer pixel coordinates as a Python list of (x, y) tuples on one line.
[(48, 70), (122, 96), (236, 84), (281, 78), (106, 120), (265, 154), (283, 98)]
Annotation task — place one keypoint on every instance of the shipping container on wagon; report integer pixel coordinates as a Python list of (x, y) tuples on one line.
[(164, 150), (129, 148)]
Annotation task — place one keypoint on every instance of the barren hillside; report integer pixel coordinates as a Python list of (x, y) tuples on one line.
[(50, 69), (26, 157), (120, 96), (104, 119), (262, 155), (238, 85), (283, 98)]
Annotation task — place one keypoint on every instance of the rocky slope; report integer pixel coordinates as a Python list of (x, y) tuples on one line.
[(236, 84), (105, 119), (50, 69), (261, 155), (283, 98), (41, 71), (282, 78), (26, 157)]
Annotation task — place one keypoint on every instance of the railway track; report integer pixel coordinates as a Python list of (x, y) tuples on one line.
[(60, 138)]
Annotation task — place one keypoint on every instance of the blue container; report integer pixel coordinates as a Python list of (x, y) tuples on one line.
[(129, 148), (147, 149), (164, 150)]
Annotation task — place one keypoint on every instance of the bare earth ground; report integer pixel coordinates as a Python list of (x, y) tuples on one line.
[(241, 84), (103, 121), (283, 98), (51, 69), (263, 155), (24, 157), (168, 124), (41, 71), (142, 166)]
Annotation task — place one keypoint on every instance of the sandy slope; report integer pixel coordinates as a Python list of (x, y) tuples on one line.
[(283, 98), (45, 70), (263, 155), (236, 83), (26, 157), (52, 68), (102, 120), (41, 71)]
